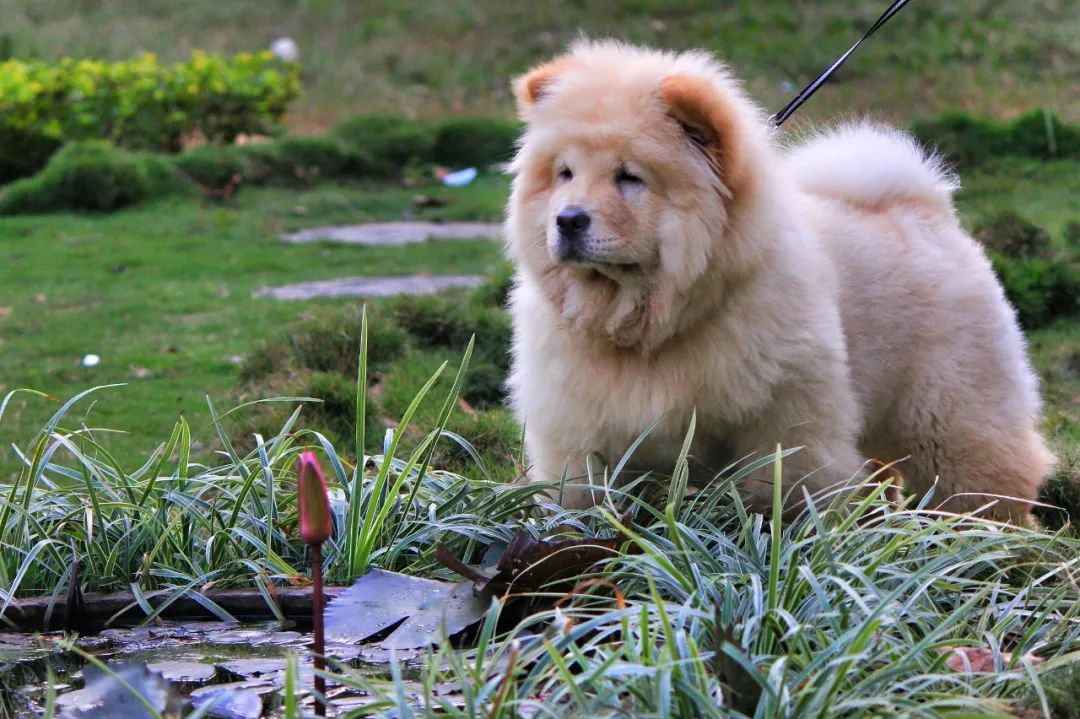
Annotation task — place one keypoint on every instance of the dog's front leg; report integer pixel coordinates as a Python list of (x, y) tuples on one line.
[(823, 427)]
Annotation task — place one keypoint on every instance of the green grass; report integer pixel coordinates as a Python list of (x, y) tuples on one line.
[(433, 59), (167, 288)]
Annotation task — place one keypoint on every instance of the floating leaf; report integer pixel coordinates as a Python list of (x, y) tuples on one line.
[(379, 600), (232, 701), (107, 697)]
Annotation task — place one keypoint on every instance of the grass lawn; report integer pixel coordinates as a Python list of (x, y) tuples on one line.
[(455, 57), (163, 294)]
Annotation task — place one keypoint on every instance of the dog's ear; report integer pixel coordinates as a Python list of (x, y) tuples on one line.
[(533, 85), (709, 121)]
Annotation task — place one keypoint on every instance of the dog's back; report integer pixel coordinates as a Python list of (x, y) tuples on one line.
[(936, 354)]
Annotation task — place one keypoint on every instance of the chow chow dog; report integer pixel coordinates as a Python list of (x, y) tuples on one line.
[(672, 258)]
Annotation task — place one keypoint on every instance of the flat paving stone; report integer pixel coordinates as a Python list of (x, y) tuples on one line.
[(371, 286), (396, 233)]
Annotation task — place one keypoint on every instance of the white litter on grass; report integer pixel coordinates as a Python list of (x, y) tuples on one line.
[(90, 360), (284, 48), (460, 178)]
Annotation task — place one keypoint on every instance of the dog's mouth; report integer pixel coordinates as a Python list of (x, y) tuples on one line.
[(614, 271)]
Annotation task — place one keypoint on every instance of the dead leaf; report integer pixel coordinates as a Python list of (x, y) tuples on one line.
[(979, 660), (448, 560), (466, 407), (529, 563), (39, 298), (421, 608), (140, 372), (5, 312)]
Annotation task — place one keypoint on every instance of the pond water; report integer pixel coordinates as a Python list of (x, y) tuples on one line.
[(241, 667)]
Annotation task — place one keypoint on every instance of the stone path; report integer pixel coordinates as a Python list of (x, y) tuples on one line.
[(371, 286), (396, 233), (383, 234)]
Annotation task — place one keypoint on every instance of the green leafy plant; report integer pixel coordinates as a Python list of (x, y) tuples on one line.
[(138, 103)]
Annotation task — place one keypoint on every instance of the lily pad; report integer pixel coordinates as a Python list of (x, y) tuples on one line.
[(421, 608), (184, 672), (229, 702), (107, 697), (253, 667)]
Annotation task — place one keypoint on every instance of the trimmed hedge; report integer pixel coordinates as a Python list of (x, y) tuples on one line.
[(1041, 281), (384, 145), (137, 103), (967, 141), (92, 175), (1012, 235), (475, 141), (368, 147), (1041, 290)]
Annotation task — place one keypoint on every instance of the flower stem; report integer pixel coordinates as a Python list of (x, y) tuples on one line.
[(319, 644)]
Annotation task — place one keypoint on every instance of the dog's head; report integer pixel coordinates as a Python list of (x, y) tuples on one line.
[(625, 183)]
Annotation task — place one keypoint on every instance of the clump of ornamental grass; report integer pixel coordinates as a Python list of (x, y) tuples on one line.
[(170, 525), (708, 609), (713, 611)]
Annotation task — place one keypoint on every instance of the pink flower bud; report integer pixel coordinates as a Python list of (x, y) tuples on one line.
[(315, 521)]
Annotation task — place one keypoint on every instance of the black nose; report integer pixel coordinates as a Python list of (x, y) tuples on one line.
[(572, 221)]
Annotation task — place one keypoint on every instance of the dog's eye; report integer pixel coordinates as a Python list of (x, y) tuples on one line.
[(625, 177), (565, 175)]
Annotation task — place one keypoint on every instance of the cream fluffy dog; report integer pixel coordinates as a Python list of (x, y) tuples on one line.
[(671, 258)]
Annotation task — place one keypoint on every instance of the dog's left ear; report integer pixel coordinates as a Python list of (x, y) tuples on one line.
[(536, 83), (709, 120)]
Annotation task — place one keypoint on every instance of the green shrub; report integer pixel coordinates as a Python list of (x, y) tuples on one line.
[(212, 165), (383, 145), (92, 175), (1062, 492), (495, 291), (444, 322), (479, 141), (967, 141), (137, 103), (1013, 235), (1072, 237), (328, 340), (23, 153), (1041, 134), (306, 159), (408, 338), (1041, 290)]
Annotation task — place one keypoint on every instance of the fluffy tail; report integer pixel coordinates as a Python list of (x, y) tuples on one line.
[(871, 165)]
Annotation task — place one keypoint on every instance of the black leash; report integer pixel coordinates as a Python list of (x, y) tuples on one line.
[(778, 119)]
